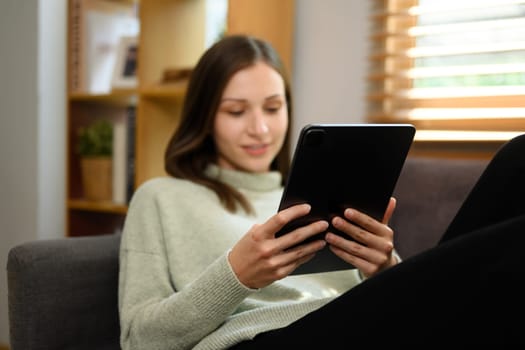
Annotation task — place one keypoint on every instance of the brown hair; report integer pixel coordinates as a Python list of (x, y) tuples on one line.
[(191, 147)]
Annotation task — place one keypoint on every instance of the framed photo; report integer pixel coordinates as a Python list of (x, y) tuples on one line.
[(125, 70)]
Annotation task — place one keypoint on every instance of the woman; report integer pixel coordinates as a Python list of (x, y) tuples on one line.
[(200, 266)]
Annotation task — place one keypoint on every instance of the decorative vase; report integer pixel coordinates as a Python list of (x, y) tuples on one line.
[(97, 178)]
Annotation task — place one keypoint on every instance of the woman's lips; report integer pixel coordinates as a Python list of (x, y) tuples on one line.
[(256, 150)]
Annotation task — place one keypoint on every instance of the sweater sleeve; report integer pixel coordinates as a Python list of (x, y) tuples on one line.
[(153, 314)]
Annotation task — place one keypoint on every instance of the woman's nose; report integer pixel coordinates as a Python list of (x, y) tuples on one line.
[(258, 124)]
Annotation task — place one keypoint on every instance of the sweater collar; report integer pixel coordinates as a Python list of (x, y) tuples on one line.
[(245, 180)]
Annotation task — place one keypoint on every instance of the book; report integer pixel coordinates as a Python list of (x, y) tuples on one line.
[(96, 29), (124, 156), (119, 158), (75, 45), (130, 149)]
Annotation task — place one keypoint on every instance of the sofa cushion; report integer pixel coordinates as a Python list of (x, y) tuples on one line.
[(429, 192)]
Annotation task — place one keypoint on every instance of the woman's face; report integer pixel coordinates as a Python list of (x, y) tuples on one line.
[(252, 119)]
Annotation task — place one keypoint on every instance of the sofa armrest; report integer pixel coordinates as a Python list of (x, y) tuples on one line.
[(62, 293)]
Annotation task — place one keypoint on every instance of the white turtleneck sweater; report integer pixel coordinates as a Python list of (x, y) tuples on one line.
[(177, 289)]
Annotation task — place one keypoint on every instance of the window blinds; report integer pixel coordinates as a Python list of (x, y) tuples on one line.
[(449, 65)]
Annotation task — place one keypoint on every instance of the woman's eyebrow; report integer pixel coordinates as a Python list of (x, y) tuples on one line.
[(233, 99), (274, 96)]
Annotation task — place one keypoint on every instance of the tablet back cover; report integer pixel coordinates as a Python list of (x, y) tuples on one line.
[(339, 166)]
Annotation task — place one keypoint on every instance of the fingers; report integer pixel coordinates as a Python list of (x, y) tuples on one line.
[(389, 210), (365, 265), (371, 248), (259, 258), (279, 220), (365, 230), (358, 254), (291, 259)]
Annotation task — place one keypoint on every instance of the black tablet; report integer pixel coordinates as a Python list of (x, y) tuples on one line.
[(339, 166)]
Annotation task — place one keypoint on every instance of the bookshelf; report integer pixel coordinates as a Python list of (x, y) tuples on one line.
[(171, 35)]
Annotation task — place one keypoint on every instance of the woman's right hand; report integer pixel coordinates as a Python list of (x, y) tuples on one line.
[(259, 258)]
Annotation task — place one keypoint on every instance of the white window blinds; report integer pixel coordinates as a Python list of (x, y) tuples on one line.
[(453, 68)]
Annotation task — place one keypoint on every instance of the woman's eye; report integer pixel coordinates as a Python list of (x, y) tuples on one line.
[(273, 109), (236, 112)]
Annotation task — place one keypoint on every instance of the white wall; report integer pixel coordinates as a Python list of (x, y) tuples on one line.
[(330, 62), (18, 133), (51, 118), (32, 129), (328, 82)]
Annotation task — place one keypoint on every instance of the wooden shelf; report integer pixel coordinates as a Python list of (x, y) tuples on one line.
[(100, 206), (172, 36), (170, 90), (118, 98)]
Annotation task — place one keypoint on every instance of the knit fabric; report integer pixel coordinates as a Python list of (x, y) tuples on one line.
[(176, 287)]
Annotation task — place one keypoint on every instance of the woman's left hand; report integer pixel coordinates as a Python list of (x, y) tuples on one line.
[(371, 247)]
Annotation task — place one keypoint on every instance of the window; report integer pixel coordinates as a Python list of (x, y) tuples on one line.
[(453, 68)]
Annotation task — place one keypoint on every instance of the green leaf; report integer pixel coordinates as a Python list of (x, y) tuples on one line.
[(96, 139)]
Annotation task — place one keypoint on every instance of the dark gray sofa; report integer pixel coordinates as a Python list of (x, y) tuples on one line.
[(429, 192), (63, 292)]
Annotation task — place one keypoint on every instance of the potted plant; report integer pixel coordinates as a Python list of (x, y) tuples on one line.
[(95, 148)]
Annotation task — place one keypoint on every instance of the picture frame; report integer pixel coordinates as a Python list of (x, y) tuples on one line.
[(125, 68)]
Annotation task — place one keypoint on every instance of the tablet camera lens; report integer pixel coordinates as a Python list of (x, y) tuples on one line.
[(314, 138)]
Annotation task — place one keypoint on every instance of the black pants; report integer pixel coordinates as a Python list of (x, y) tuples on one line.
[(469, 289)]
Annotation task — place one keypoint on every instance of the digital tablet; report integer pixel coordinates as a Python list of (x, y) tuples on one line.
[(339, 166)]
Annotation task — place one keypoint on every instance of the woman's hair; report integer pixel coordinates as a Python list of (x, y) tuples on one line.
[(191, 147)]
